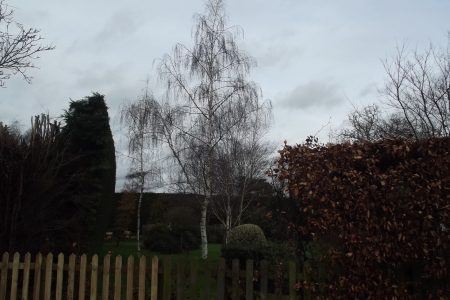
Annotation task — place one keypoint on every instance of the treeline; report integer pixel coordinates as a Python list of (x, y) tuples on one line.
[(57, 180), (183, 209), (371, 219)]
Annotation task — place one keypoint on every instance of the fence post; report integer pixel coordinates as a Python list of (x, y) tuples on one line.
[(264, 279), (117, 277), (142, 266), (82, 285), (235, 279), (15, 275), (94, 271), (130, 270), (37, 276), (59, 276), (180, 280), (221, 279), (193, 292), (71, 277), (48, 277), (292, 279), (26, 276), (249, 279), (4, 278), (167, 269), (105, 285), (154, 283)]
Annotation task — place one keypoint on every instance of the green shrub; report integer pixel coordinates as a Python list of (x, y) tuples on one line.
[(160, 239), (247, 236), (245, 242)]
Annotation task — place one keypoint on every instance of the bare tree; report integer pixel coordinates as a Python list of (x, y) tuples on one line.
[(208, 97), (19, 46), (141, 119), (241, 160), (417, 94)]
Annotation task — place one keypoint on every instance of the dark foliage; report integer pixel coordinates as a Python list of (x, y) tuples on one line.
[(90, 141), (380, 210), (37, 212), (171, 239)]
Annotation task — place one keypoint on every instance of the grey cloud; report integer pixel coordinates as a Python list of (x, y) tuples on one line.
[(278, 55), (114, 33), (368, 90), (313, 94), (120, 25)]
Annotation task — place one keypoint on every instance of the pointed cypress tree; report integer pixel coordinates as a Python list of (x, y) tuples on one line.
[(92, 147)]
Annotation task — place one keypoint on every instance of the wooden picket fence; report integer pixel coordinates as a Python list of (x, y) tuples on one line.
[(50, 277)]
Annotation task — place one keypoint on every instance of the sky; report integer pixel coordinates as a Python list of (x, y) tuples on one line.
[(316, 59)]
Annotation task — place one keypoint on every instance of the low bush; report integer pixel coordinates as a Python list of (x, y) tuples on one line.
[(247, 235), (171, 239), (246, 242)]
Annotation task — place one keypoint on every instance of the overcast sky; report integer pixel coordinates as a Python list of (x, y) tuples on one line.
[(316, 59)]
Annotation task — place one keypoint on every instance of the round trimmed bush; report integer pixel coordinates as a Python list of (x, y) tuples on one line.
[(245, 242), (247, 235)]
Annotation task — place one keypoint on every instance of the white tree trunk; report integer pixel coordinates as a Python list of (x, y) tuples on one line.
[(227, 225), (138, 229), (203, 235)]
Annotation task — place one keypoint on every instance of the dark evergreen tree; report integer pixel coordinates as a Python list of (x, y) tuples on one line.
[(35, 203), (90, 141)]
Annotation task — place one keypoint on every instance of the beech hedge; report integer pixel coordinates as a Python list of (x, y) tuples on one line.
[(381, 208)]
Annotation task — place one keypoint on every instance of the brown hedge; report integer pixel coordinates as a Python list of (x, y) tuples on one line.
[(384, 210)]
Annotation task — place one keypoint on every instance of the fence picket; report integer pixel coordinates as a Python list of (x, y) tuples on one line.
[(94, 271), (4, 273), (48, 277), (180, 280), (175, 284), (37, 276), (59, 277), (15, 276), (264, 279), (82, 283), (193, 280), (105, 284), (235, 279), (249, 279), (118, 277), (221, 279), (71, 277), (130, 271), (142, 267), (292, 273), (154, 283), (26, 276), (167, 269)]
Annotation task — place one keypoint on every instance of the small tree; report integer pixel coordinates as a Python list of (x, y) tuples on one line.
[(209, 97), (19, 46), (142, 121), (241, 161)]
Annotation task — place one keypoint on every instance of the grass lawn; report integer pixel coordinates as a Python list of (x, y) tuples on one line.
[(128, 247)]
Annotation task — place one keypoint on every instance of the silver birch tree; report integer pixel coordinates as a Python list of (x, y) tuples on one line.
[(207, 97), (141, 119)]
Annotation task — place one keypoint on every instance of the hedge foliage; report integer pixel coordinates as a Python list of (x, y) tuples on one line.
[(171, 239), (383, 210)]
